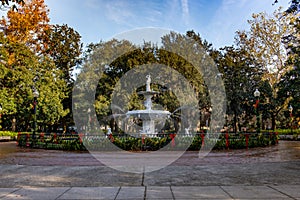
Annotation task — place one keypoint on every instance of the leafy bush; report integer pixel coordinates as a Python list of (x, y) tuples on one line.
[(12, 134), (288, 131)]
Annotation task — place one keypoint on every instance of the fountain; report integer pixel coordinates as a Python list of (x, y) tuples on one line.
[(148, 116)]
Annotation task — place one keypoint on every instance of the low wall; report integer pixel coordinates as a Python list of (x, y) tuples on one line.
[(5, 138)]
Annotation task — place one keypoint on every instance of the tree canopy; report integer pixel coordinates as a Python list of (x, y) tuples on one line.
[(38, 55), (33, 57)]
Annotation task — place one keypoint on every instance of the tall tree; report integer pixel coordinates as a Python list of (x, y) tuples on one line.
[(264, 43), (65, 48), (289, 84), (241, 76), (97, 60), (21, 72)]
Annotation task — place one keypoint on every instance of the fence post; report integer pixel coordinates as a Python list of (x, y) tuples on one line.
[(227, 140), (143, 139), (27, 140), (18, 138), (80, 137), (55, 138), (111, 138), (202, 138), (247, 140), (42, 137), (173, 135)]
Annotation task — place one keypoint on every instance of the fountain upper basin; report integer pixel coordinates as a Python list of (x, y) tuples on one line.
[(149, 114)]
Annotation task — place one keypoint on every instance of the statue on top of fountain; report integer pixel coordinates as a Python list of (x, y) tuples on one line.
[(148, 82)]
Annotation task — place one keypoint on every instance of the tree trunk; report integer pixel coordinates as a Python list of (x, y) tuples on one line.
[(111, 124), (176, 125), (273, 121), (234, 123), (116, 127)]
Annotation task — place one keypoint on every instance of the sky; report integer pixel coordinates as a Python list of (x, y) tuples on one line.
[(215, 20)]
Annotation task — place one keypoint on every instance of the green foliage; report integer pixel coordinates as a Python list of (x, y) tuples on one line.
[(65, 49), (287, 131), (11, 134), (110, 86), (241, 76), (73, 142), (44, 60), (263, 42), (24, 71), (258, 61), (289, 84)]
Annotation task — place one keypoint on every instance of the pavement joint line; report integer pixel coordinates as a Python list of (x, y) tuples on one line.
[(281, 192), (143, 176), (118, 192), (145, 193), (226, 192), (173, 196), (64, 192), (16, 189)]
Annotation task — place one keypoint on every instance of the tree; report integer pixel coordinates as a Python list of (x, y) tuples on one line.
[(161, 62), (100, 74), (28, 25), (13, 3), (264, 43), (65, 48), (289, 84), (22, 71), (241, 76), (178, 61), (38, 55), (293, 7)]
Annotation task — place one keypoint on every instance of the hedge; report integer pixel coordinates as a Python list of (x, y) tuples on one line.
[(94, 142)]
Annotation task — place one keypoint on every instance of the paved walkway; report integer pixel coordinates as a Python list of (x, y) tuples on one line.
[(267, 173), (154, 192)]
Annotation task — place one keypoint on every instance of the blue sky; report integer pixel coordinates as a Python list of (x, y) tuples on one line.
[(215, 20)]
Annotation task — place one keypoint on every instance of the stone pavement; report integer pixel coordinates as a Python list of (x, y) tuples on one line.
[(154, 192), (268, 173)]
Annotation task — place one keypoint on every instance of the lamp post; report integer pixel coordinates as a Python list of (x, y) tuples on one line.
[(257, 94), (291, 116), (35, 96)]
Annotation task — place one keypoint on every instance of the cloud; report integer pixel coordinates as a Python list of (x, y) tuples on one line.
[(118, 11), (231, 16), (185, 11)]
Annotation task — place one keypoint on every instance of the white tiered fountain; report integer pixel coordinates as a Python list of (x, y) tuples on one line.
[(149, 116)]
